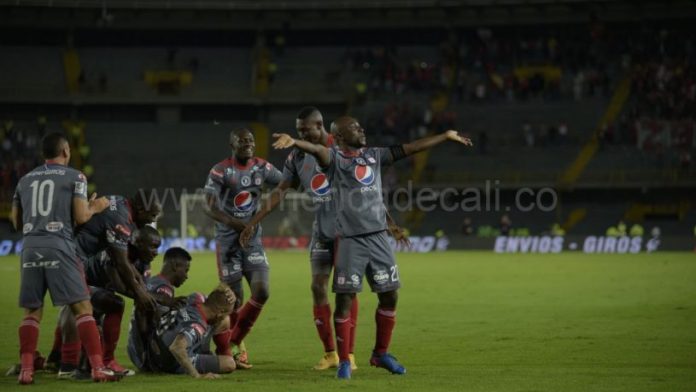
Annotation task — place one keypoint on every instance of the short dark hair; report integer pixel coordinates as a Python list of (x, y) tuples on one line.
[(52, 144), (150, 233), (306, 112), (175, 254)]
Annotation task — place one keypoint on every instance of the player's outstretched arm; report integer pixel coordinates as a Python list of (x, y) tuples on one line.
[(130, 280), (267, 206), (212, 209), (83, 210), (283, 141), (179, 349), (432, 141)]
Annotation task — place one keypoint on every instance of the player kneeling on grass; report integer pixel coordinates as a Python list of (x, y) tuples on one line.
[(183, 335)]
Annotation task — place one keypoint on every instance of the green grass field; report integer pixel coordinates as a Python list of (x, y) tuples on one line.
[(467, 321)]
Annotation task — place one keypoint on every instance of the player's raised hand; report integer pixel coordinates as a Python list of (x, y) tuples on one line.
[(98, 204), (283, 141), (455, 136)]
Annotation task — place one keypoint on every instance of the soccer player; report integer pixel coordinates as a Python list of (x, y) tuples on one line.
[(361, 225), (183, 335), (233, 189), (111, 231), (48, 202), (174, 272), (301, 169)]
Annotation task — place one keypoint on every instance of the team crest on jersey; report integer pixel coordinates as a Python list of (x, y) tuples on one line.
[(320, 184), (364, 174), (246, 181), (243, 201), (371, 160)]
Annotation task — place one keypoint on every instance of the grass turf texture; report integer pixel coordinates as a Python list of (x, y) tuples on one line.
[(467, 321)]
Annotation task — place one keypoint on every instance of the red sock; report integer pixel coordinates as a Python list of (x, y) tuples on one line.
[(89, 335), (28, 340), (57, 339), (385, 319), (245, 320), (342, 327), (222, 342), (322, 320), (111, 329), (70, 353), (353, 323)]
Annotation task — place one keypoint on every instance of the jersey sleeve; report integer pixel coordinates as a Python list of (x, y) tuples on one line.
[(273, 175), (80, 186), (118, 232), (192, 331), (389, 155), (161, 288), (215, 180), (289, 170)]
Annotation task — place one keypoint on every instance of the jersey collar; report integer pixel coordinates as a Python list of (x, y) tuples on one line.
[(351, 153), (239, 166), (52, 162)]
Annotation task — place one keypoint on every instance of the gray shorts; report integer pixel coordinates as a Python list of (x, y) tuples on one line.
[(233, 260), (321, 255), (53, 270), (370, 256)]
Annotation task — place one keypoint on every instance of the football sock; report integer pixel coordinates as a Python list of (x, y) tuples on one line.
[(322, 320), (111, 329), (28, 340), (342, 327), (353, 323), (245, 320), (385, 319), (89, 335)]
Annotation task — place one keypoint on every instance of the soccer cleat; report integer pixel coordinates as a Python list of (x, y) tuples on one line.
[(343, 371), (67, 374), (353, 365), (52, 362), (26, 377), (14, 370), (118, 369), (387, 361), (242, 361), (328, 360), (104, 375)]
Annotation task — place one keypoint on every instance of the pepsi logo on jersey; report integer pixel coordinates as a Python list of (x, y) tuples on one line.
[(243, 201)]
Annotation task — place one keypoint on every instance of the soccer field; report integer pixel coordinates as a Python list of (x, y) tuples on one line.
[(467, 321)]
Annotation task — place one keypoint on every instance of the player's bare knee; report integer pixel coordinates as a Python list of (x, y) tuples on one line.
[(343, 304), (261, 294), (388, 299), (227, 364), (82, 307), (319, 291)]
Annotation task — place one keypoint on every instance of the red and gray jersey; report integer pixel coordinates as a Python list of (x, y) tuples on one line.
[(112, 227), (357, 181), (158, 284), (303, 169), (45, 196), (238, 191), (188, 321)]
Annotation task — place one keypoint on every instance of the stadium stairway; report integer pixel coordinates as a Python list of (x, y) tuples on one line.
[(576, 168)]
